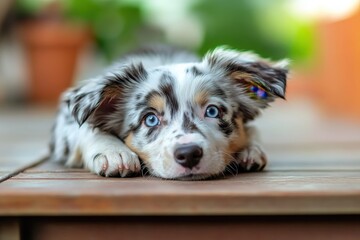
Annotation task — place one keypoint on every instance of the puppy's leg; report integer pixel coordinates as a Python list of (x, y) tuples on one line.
[(252, 158), (105, 154)]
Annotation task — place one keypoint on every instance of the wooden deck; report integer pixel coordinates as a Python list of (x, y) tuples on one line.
[(310, 187)]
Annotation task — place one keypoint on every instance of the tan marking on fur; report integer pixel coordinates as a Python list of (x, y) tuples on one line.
[(238, 141), (75, 158), (157, 103), (110, 94), (128, 141), (201, 98), (241, 76)]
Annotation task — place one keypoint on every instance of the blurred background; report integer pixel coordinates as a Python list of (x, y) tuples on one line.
[(47, 45)]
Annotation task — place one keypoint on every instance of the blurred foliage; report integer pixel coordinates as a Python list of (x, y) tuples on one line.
[(116, 25), (265, 27)]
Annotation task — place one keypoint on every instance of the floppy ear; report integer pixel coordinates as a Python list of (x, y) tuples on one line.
[(98, 98), (255, 82)]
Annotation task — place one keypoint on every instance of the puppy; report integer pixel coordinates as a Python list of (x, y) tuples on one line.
[(165, 110)]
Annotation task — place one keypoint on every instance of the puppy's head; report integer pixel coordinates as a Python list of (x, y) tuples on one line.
[(186, 120)]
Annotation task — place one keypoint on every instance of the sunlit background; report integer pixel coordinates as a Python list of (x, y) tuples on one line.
[(47, 45)]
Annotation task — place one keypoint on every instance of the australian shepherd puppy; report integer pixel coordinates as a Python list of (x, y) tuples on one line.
[(166, 110)]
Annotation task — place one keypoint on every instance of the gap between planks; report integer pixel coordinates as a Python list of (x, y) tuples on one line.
[(21, 169)]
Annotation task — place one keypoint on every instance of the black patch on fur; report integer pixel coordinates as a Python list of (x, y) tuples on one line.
[(67, 102), (223, 109), (135, 127), (233, 120), (78, 102), (189, 126), (270, 72), (75, 113), (194, 71), (76, 90), (152, 133), (166, 89), (138, 96), (79, 97), (166, 78), (101, 115), (52, 140), (178, 136), (140, 105), (247, 113), (225, 127), (192, 110), (262, 167), (135, 73), (127, 76), (112, 94), (262, 72), (217, 91), (66, 148), (265, 73)]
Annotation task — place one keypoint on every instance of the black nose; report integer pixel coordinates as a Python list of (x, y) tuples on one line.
[(188, 155)]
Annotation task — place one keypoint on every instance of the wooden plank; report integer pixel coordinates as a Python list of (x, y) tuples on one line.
[(285, 160), (17, 167), (305, 160), (317, 178), (280, 192), (257, 193), (3, 174), (24, 135), (51, 166), (58, 175), (9, 163), (9, 230)]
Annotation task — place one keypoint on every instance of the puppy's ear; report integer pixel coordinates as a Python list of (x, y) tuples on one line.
[(98, 98), (255, 82)]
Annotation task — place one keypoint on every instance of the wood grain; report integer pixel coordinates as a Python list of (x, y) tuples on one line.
[(59, 193), (24, 135), (15, 167)]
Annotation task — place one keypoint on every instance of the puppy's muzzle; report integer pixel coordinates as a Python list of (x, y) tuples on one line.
[(188, 155)]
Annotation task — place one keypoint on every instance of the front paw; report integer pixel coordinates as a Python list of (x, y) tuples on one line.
[(252, 159), (112, 163)]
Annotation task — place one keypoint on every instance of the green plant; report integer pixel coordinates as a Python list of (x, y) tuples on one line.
[(263, 26), (116, 25)]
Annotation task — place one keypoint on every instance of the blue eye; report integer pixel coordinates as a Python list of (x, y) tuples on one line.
[(151, 120), (212, 112)]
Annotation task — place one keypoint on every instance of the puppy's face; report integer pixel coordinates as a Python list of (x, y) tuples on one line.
[(183, 123), (187, 120)]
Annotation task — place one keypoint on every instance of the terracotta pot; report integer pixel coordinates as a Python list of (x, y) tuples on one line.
[(339, 85), (52, 49)]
